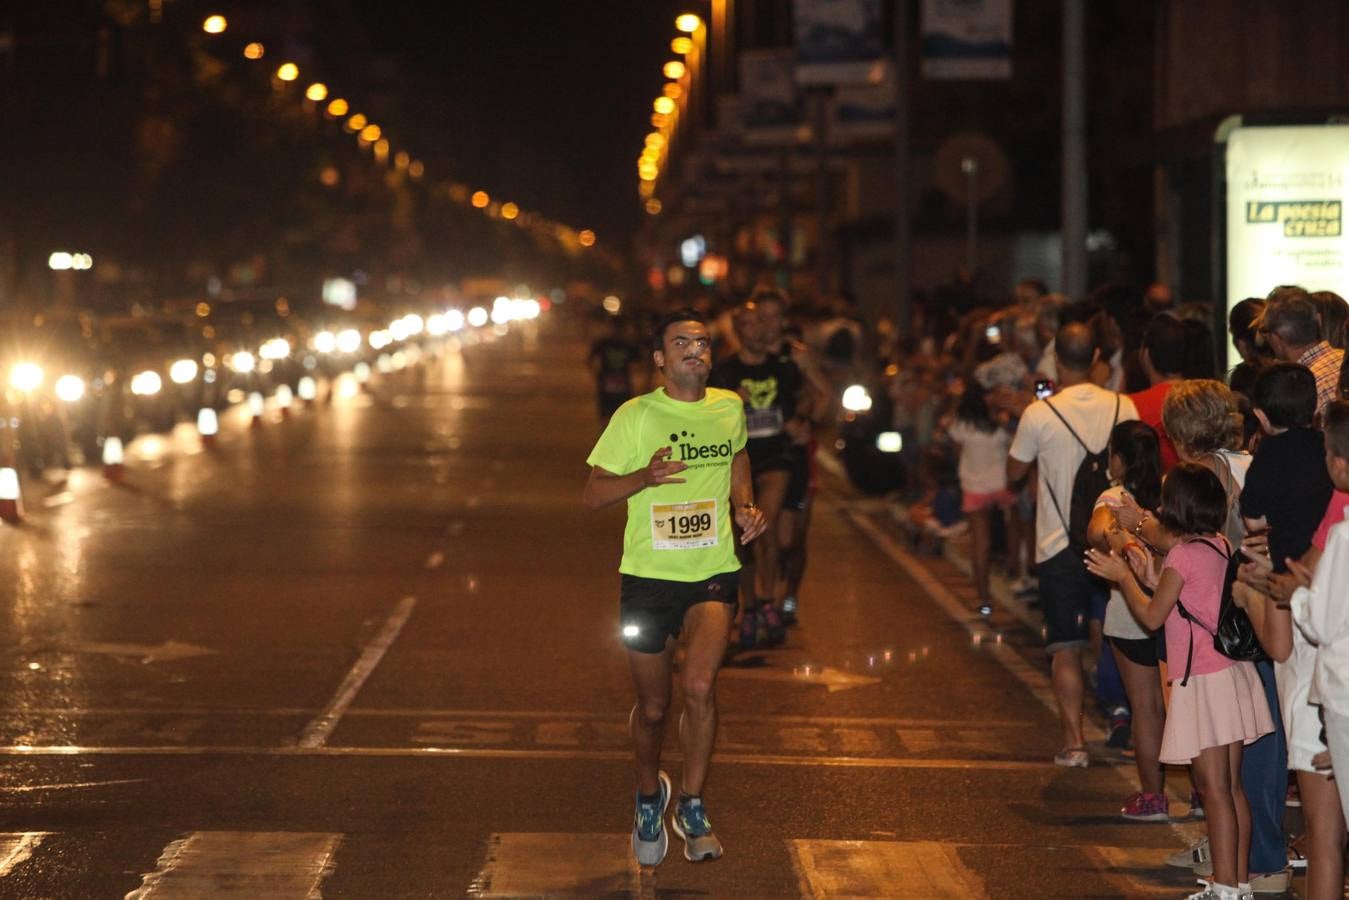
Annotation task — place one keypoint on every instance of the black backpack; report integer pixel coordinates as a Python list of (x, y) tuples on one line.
[(1091, 480), (1235, 635)]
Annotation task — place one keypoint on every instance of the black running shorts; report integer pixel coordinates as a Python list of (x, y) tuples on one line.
[(651, 610)]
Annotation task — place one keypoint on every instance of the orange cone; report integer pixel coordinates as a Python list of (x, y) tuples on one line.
[(113, 468), (11, 503)]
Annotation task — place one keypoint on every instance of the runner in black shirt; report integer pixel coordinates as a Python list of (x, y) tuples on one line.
[(771, 386), (612, 360)]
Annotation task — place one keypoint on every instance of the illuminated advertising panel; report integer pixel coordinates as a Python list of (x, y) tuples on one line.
[(1285, 210)]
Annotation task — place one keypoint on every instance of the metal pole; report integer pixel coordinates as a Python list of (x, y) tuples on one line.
[(824, 247), (970, 166), (1074, 213), (903, 240)]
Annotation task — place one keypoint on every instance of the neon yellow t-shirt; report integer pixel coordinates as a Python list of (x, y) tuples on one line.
[(678, 532)]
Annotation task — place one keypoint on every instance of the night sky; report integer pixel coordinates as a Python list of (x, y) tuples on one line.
[(542, 102)]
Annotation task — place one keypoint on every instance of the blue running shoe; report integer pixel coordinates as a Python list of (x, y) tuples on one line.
[(690, 823), (649, 838)]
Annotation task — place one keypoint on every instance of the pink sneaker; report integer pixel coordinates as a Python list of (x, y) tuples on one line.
[(1146, 808)]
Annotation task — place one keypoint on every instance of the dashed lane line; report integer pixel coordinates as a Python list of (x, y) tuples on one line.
[(223, 864)]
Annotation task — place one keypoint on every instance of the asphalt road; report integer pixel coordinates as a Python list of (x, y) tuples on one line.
[(371, 651)]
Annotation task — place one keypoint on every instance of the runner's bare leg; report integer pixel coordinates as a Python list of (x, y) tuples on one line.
[(651, 676), (706, 626)]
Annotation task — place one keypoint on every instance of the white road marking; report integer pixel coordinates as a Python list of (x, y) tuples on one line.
[(752, 759), (210, 864), (435, 560), (169, 651), (27, 788), (316, 733), (892, 869), (833, 679), (15, 848), (558, 865)]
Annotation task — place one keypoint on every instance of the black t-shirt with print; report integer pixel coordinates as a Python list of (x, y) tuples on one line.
[(1288, 486), (615, 358), (771, 390)]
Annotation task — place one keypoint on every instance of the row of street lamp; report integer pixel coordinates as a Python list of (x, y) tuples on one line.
[(372, 136), (669, 107)]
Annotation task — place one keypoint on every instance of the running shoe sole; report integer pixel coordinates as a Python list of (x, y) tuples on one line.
[(652, 853), (697, 849), (1152, 817)]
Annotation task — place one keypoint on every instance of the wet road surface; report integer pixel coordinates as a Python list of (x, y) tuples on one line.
[(371, 651)]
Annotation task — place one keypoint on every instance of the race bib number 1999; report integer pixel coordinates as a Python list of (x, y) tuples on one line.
[(684, 526)]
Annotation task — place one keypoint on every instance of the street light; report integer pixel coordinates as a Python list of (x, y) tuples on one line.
[(318, 91), (681, 45), (337, 108), (655, 140), (480, 199), (254, 50), (586, 237), (674, 69), (672, 90), (663, 105), (356, 122), (509, 211), (688, 23), (371, 133), (288, 71), (214, 25)]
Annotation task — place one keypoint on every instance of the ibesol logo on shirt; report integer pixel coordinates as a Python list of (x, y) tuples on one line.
[(689, 451)]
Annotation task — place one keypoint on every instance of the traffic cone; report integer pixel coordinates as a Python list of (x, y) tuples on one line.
[(11, 503), (284, 398), (113, 468), (308, 389), (208, 426), (256, 407)]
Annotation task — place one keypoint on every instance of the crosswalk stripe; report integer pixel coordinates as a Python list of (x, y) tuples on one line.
[(558, 865), (830, 870), (15, 848), (210, 864)]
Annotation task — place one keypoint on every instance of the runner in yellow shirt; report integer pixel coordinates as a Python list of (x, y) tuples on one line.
[(677, 456)]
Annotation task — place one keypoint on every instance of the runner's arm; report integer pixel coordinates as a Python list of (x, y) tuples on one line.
[(748, 516), (604, 488)]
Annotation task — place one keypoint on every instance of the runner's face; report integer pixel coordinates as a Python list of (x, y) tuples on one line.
[(687, 353), (770, 323)]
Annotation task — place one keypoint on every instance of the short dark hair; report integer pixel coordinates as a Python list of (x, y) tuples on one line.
[(1075, 346), (685, 314), (768, 295), (1294, 318), (1241, 320), (1164, 339), (1193, 501), (1286, 393), (1335, 420)]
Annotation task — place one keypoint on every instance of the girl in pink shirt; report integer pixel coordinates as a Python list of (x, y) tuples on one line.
[(1218, 704)]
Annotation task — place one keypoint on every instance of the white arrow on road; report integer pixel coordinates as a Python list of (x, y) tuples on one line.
[(833, 679), (168, 651)]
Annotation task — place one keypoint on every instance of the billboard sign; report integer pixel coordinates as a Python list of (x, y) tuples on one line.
[(967, 39), (838, 42), (1285, 210)]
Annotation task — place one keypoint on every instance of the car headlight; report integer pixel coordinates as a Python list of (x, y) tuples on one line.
[(26, 376), (183, 371), (856, 399), (69, 388), (146, 384), (889, 442)]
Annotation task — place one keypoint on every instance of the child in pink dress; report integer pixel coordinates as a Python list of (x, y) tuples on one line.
[(1217, 704)]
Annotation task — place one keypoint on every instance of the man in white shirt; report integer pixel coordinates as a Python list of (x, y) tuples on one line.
[(1043, 438), (1321, 610)]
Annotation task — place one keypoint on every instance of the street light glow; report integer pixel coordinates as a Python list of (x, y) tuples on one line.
[(348, 340), (288, 71), (337, 107), (674, 70), (653, 207), (254, 50), (681, 45), (69, 388), (318, 91), (356, 122), (586, 237), (480, 199), (655, 140), (416, 169), (509, 211), (25, 376), (183, 371), (672, 90), (663, 105), (214, 25), (688, 23), (371, 133)]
